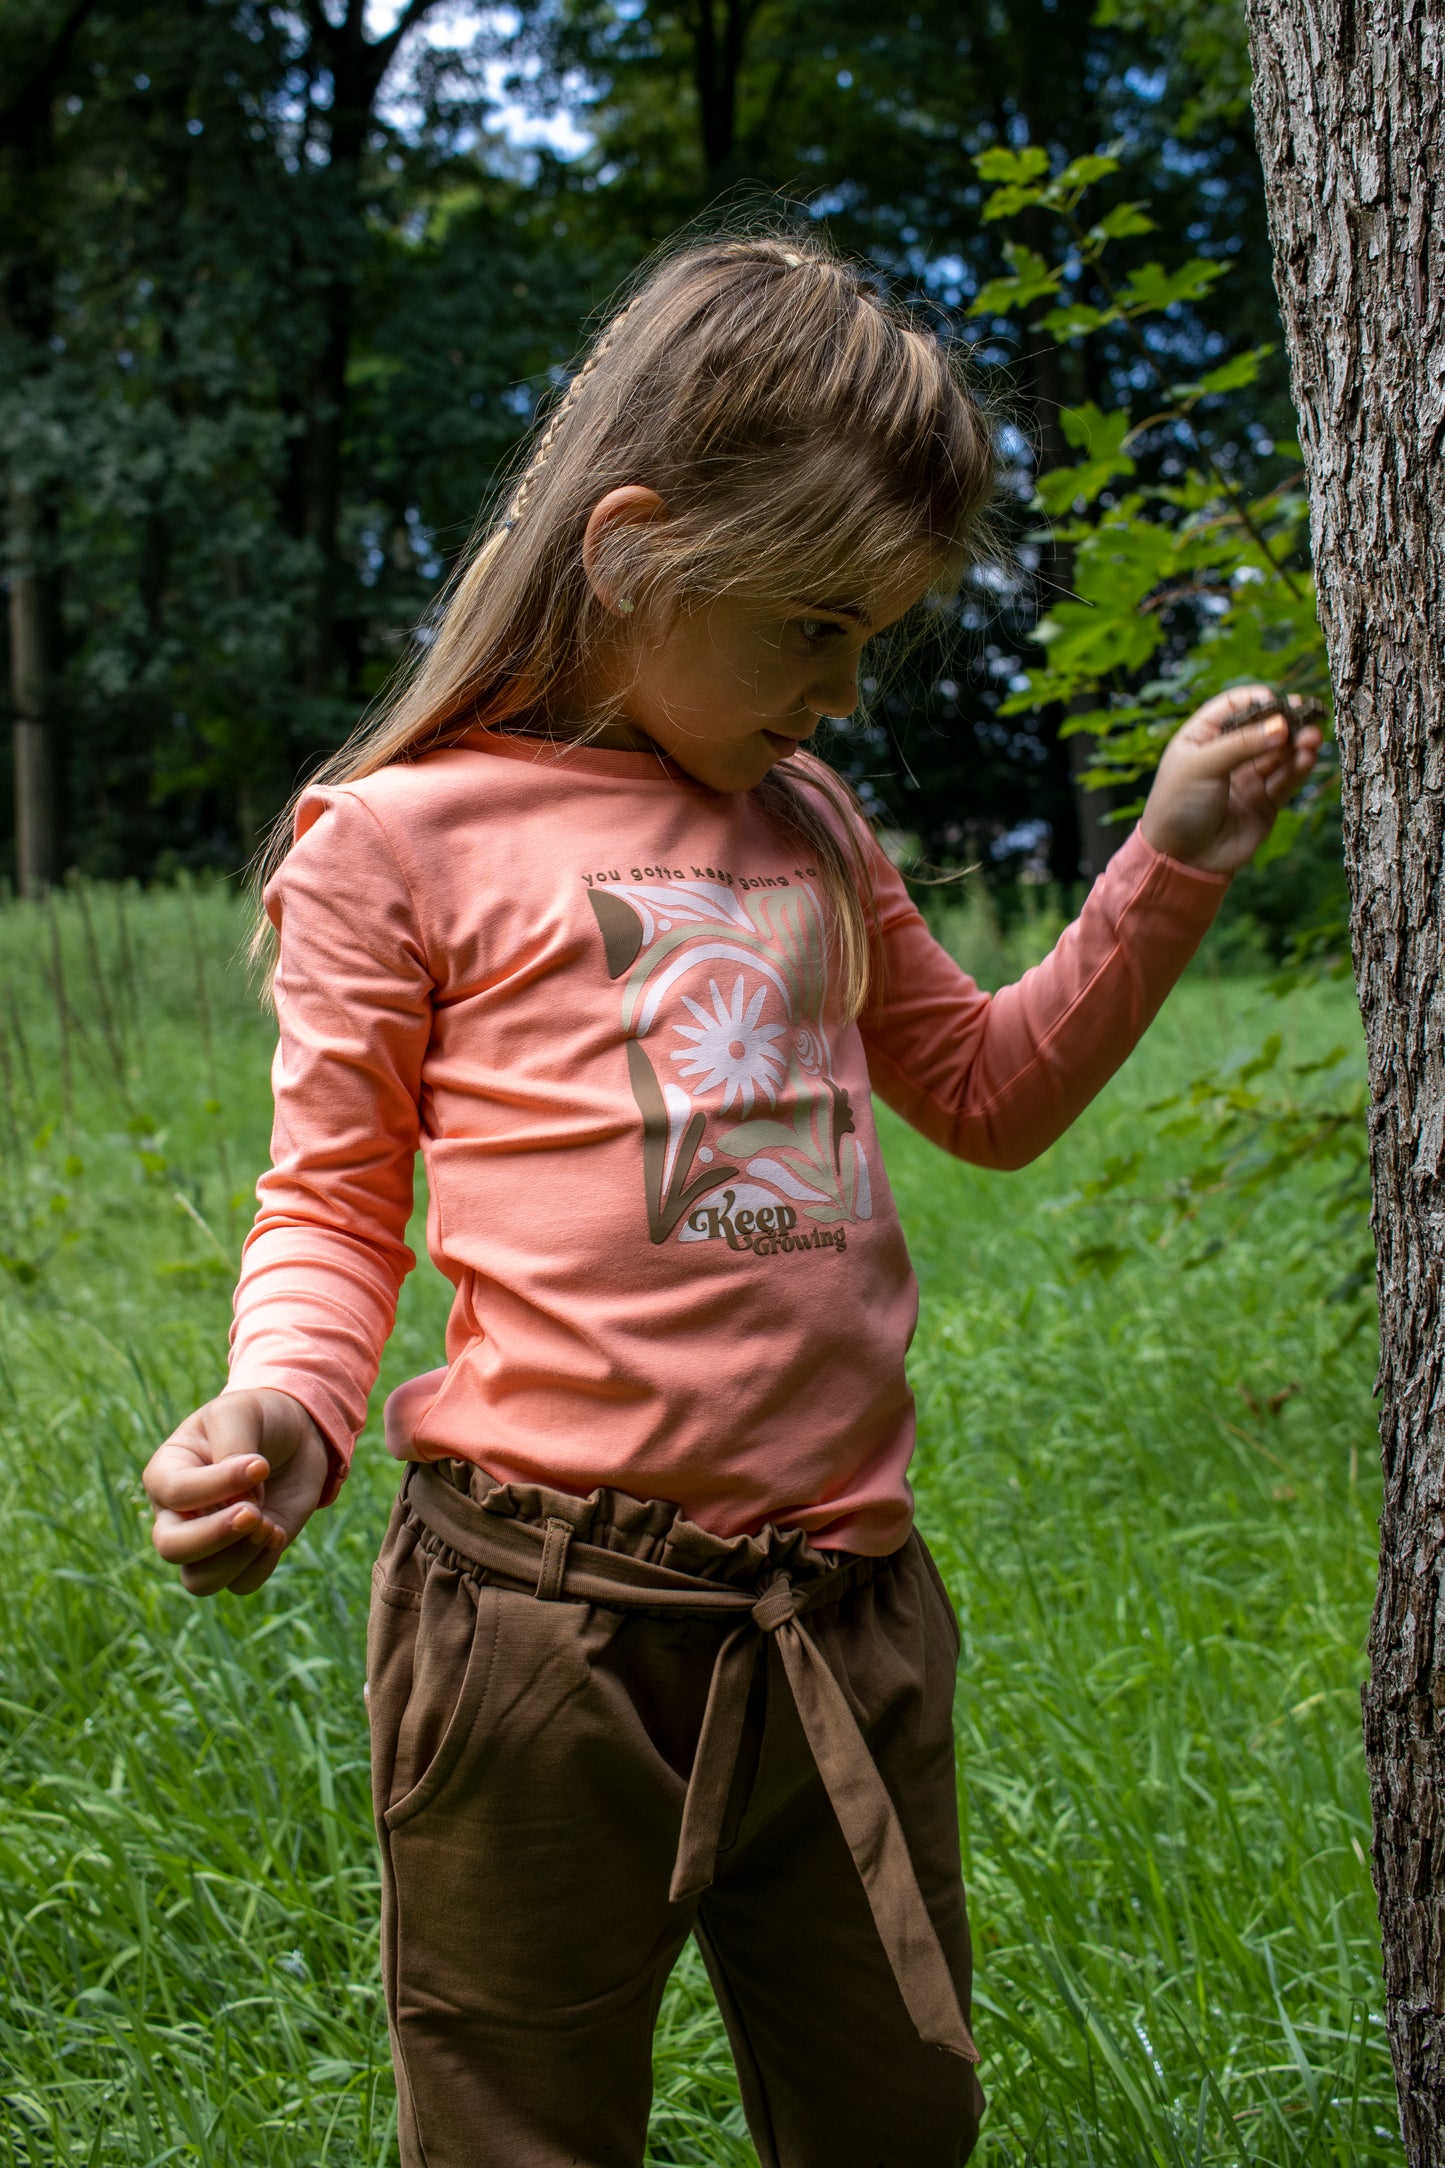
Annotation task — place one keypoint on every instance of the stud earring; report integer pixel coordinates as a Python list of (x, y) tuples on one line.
[(624, 607)]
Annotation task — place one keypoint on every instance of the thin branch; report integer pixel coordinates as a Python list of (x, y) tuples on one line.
[(1231, 490), (1168, 596)]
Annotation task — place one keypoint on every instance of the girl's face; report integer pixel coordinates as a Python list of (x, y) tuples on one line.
[(730, 687)]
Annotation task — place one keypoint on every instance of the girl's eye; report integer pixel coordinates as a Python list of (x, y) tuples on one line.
[(814, 629)]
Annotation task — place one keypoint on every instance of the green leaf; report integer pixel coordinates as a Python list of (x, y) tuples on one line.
[(1231, 375), (1265, 1059), (1086, 644), (1008, 202), (1117, 225), (1020, 174), (1081, 173), (1123, 561), (1002, 164), (1099, 722), (1075, 320), (1065, 486), (1031, 277), (1242, 369), (1090, 430), (1152, 288)]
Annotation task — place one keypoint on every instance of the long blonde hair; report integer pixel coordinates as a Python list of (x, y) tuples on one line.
[(806, 436)]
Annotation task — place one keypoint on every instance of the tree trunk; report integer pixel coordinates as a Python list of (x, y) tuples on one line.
[(1348, 98), (31, 700), (717, 50), (28, 185), (357, 67)]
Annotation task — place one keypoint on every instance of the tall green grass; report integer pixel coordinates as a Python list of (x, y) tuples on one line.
[(1153, 1496)]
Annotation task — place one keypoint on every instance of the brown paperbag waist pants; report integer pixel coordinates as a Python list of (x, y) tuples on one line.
[(597, 1728)]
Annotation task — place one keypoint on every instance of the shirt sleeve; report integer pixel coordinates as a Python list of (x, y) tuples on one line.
[(996, 1078), (325, 1259)]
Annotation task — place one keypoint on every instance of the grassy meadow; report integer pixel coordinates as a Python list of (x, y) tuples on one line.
[(1152, 1492)]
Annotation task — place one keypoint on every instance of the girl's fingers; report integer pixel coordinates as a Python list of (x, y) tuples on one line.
[(230, 1568), (182, 1539), (1221, 755), (1217, 713), (1286, 779), (177, 1480)]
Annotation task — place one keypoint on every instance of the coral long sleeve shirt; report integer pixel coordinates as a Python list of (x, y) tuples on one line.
[(597, 996)]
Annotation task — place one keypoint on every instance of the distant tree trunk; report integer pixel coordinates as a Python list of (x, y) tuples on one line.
[(27, 321), (32, 699), (357, 67), (719, 43), (1348, 102)]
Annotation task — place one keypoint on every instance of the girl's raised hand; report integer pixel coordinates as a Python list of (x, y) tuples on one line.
[(1217, 792), (233, 1486)]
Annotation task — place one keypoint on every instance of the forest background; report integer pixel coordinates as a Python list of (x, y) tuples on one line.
[(281, 288), (284, 285)]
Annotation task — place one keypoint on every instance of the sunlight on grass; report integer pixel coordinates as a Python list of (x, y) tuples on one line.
[(1152, 1494)]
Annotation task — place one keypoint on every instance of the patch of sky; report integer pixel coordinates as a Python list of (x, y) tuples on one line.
[(1148, 85), (1022, 840), (1178, 158), (994, 578), (370, 555), (423, 544), (833, 202), (523, 123)]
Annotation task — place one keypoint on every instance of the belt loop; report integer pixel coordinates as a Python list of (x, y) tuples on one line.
[(553, 1569)]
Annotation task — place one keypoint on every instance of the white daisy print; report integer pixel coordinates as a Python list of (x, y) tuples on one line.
[(731, 1048)]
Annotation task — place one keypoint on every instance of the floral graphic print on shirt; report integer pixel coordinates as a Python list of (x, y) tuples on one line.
[(746, 1136)]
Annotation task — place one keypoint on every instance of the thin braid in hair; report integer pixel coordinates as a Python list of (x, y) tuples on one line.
[(564, 407), (599, 352), (548, 438)]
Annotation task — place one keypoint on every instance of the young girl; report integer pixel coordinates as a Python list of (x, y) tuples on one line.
[(655, 1648)]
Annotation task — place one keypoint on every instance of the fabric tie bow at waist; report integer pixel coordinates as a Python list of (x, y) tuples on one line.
[(549, 1562)]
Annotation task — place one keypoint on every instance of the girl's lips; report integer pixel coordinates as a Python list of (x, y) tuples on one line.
[(782, 741)]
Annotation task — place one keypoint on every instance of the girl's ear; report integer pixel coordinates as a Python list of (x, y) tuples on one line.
[(631, 506)]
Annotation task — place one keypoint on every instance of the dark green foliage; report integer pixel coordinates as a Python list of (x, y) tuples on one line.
[(278, 305), (286, 344)]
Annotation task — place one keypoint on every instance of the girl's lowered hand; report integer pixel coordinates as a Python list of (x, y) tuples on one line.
[(1217, 792), (233, 1486)]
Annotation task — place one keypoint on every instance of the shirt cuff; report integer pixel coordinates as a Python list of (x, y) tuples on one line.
[(1212, 885), (251, 1378)]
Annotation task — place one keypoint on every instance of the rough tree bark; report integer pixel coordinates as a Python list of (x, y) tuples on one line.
[(1348, 103)]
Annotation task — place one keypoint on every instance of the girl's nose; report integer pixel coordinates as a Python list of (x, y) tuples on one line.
[(836, 691)]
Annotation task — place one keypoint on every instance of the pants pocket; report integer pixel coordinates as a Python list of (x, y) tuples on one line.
[(430, 1641), (940, 1587)]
